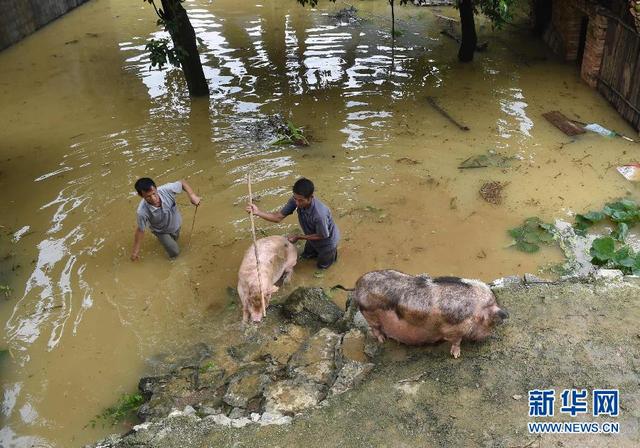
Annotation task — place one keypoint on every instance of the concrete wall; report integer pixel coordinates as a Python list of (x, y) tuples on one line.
[(19, 18)]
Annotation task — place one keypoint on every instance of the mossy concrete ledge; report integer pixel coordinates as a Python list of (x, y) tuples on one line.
[(560, 335)]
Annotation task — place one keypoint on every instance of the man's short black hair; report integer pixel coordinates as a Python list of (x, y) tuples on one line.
[(144, 184), (303, 187)]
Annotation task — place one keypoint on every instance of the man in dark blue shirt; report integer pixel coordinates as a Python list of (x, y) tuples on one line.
[(320, 232)]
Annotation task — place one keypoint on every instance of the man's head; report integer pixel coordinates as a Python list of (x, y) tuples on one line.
[(146, 189), (303, 192)]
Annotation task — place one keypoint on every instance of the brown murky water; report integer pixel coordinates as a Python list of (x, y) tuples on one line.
[(83, 117)]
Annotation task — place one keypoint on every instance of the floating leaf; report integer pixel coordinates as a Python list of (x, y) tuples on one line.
[(624, 210), (532, 233), (527, 247)]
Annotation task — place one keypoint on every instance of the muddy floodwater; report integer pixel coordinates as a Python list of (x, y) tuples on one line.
[(82, 117)]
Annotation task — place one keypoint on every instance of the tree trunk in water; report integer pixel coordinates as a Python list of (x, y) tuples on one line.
[(469, 39), (393, 22), (183, 36)]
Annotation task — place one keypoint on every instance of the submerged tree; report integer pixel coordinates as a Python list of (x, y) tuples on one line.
[(498, 11), (184, 52)]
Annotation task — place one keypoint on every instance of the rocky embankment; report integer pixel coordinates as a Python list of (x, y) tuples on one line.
[(310, 375)]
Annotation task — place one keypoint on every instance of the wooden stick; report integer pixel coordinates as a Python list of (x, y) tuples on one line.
[(444, 113), (192, 226), (255, 247)]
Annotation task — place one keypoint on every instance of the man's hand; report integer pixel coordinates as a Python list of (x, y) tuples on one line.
[(195, 200), (293, 238), (252, 208), (135, 256)]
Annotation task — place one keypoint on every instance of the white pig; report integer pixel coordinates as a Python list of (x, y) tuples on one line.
[(277, 260)]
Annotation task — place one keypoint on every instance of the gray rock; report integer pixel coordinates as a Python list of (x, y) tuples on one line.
[(190, 357), (291, 396), (351, 374), (166, 393), (316, 359), (237, 413), (353, 344), (531, 279), (635, 279), (505, 281), (306, 306), (372, 347), (608, 275), (360, 322), (246, 385)]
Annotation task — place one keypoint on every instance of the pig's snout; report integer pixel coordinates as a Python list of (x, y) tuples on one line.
[(502, 315)]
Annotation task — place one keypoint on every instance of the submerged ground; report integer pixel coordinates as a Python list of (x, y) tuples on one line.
[(83, 117)]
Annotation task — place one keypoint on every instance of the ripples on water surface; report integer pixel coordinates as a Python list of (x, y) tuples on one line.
[(84, 119)]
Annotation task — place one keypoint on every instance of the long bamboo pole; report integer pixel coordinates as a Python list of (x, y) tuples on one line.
[(255, 247)]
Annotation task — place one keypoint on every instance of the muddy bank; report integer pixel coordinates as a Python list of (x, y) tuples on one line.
[(568, 335)]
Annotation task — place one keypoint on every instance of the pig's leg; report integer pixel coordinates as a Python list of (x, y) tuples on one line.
[(286, 277), (374, 324), (377, 334), (245, 315), (455, 348)]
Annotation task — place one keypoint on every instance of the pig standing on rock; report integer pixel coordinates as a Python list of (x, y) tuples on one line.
[(277, 259), (418, 309)]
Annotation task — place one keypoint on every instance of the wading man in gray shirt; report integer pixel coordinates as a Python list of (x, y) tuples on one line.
[(320, 232), (158, 211)]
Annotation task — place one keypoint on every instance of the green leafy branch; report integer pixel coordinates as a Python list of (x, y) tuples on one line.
[(159, 50), (292, 136), (160, 53)]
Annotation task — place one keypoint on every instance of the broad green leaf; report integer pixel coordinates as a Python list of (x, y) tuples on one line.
[(621, 232), (603, 249)]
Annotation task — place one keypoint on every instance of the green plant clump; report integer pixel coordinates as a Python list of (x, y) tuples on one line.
[(531, 234), (604, 253), (292, 136), (625, 213), (5, 290), (126, 406)]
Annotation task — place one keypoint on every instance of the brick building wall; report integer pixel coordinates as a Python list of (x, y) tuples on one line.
[(565, 33), (20, 18)]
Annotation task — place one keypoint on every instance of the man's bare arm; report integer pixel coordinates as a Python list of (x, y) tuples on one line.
[(137, 242), (272, 217), (195, 199)]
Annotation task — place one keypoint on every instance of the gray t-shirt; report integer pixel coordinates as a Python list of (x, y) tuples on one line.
[(163, 219), (315, 219)]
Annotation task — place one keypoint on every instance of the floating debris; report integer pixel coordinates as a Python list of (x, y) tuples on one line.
[(434, 2), (290, 135), (347, 16), (491, 158), (492, 192), (630, 172), (407, 161), (559, 120)]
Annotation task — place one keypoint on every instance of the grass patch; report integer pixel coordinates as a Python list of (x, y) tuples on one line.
[(124, 409)]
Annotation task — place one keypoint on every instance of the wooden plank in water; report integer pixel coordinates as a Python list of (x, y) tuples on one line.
[(567, 126)]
